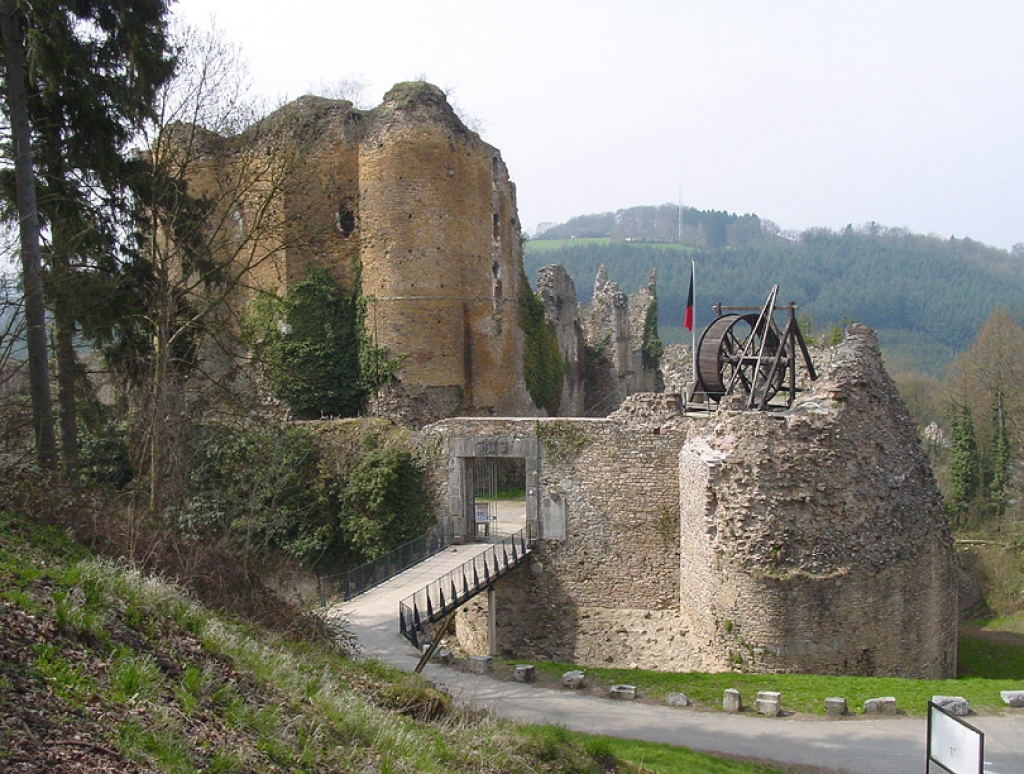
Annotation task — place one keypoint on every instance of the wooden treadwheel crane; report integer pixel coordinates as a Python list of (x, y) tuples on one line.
[(744, 351)]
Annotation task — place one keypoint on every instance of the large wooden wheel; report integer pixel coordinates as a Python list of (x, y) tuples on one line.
[(735, 355)]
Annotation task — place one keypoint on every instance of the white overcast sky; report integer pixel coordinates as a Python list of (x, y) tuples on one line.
[(806, 112)]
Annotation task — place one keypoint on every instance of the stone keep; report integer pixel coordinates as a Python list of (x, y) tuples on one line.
[(409, 202), (407, 205)]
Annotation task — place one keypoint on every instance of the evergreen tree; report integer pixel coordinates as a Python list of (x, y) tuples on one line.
[(998, 459), (94, 70), (16, 107), (964, 468)]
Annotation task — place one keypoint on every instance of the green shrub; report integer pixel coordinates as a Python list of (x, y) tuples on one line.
[(260, 485), (268, 487), (104, 460), (384, 501)]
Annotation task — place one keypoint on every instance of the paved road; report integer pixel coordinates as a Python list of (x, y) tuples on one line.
[(853, 745)]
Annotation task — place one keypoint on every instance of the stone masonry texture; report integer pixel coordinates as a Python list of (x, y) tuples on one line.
[(805, 540)]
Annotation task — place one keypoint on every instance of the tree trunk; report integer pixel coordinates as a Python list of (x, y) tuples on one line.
[(67, 369), (28, 225)]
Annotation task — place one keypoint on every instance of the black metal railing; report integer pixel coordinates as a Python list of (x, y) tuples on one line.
[(361, 579), (435, 600)]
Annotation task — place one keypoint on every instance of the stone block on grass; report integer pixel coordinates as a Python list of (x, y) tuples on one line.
[(481, 664), (574, 679), (525, 673), (954, 705), (677, 699), (768, 703), (836, 706), (1012, 698), (732, 701), (883, 705), (623, 692)]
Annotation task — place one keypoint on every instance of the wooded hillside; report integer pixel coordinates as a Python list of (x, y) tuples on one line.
[(925, 295)]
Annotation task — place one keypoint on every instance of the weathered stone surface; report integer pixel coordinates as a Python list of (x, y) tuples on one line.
[(768, 703), (674, 699), (623, 692), (426, 209), (810, 540), (884, 705), (481, 664), (732, 701), (443, 656), (835, 706), (558, 292), (832, 524), (955, 705), (614, 326), (525, 673), (574, 679), (1012, 698)]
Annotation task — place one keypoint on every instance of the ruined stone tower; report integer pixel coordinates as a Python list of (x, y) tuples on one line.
[(441, 255), (408, 202)]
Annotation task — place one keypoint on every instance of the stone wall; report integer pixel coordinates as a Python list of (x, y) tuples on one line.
[(602, 344), (808, 540), (558, 292), (604, 581)]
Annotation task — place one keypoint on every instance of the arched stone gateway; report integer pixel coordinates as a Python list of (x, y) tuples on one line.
[(806, 540)]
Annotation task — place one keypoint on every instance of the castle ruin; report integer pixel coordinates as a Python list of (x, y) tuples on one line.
[(805, 540), (410, 204), (809, 539)]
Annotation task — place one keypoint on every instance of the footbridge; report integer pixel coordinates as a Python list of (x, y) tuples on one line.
[(438, 599)]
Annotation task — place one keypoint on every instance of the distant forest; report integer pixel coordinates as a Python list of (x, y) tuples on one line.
[(926, 296)]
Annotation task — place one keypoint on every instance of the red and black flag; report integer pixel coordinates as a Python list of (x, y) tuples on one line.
[(689, 304)]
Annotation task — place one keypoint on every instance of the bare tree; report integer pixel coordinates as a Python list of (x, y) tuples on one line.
[(217, 172)]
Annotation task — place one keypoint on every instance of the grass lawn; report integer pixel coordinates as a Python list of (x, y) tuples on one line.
[(988, 664), (547, 245), (647, 756)]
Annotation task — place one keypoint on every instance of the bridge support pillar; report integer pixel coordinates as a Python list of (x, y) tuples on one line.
[(492, 622)]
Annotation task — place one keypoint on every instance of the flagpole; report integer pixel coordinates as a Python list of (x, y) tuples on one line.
[(693, 328)]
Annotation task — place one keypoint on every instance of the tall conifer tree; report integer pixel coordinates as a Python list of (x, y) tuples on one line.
[(80, 78)]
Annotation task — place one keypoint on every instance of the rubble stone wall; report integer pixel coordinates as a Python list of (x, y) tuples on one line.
[(807, 540), (815, 540)]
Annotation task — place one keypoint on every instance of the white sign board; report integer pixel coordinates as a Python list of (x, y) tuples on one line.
[(953, 744)]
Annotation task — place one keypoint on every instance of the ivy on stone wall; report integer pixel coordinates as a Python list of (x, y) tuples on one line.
[(314, 346), (543, 367), (651, 349)]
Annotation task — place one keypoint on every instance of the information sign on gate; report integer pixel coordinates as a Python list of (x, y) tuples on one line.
[(953, 745)]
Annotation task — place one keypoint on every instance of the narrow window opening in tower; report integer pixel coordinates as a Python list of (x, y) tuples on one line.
[(496, 290), (346, 219), (496, 226)]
